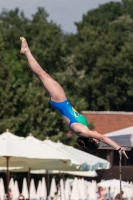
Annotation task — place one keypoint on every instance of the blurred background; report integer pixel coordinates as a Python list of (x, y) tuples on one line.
[(87, 46)]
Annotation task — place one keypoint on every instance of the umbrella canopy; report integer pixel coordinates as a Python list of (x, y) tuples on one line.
[(11, 185), (39, 190), (32, 190), (75, 190), (53, 188), (20, 152), (62, 191), (69, 158), (16, 190), (93, 191), (85, 160), (32, 153), (75, 156), (114, 183), (67, 189), (124, 137), (43, 189), (2, 189), (28, 154), (25, 189), (82, 188), (76, 173)]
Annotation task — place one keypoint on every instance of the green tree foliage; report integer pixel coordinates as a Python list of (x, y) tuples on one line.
[(105, 51), (94, 66), (127, 6), (5, 89)]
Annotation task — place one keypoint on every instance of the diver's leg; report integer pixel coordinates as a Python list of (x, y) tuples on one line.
[(54, 89)]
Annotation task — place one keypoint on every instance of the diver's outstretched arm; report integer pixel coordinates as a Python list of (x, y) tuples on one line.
[(85, 132), (108, 141)]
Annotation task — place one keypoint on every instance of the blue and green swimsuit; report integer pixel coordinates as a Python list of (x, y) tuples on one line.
[(66, 109)]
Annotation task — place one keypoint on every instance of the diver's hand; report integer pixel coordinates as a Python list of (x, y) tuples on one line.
[(123, 149)]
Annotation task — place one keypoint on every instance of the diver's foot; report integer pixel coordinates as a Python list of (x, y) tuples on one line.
[(24, 45)]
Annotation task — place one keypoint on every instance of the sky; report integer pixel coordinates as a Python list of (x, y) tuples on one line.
[(62, 12)]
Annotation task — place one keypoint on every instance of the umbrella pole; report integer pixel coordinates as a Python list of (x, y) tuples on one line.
[(47, 181), (7, 173), (29, 181), (60, 185), (120, 172)]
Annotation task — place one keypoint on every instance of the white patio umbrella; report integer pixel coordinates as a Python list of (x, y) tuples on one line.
[(67, 189), (75, 190), (27, 153), (82, 188), (86, 183), (16, 190), (39, 190), (18, 152), (25, 189), (81, 173), (76, 173), (116, 191), (43, 188), (59, 193), (11, 185), (88, 191), (50, 152), (107, 193), (112, 191), (131, 190), (114, 183), (93, 191), (86, 161), (79, 159), (32, 189), (126, 194), (62, 191), (2, 189), (74, 154), (31, 152), (53, 188)]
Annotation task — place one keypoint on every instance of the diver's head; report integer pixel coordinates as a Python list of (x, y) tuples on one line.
[(88, 143)]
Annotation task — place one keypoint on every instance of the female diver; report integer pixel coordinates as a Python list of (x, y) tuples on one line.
[(76, 122)]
